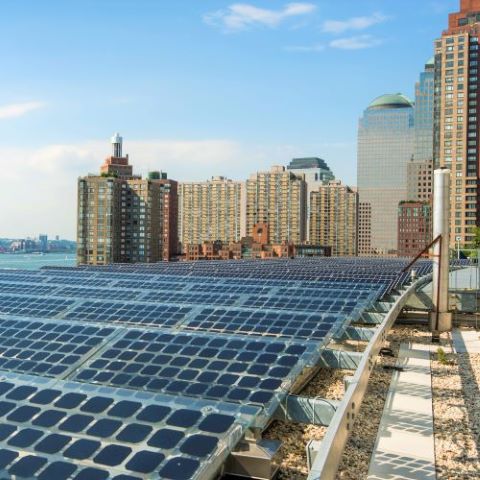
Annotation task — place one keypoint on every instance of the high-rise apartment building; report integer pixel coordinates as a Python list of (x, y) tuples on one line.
[(333, 218), (124, 218), (316, 173), (457, 119), (277, 198), (385, 146), (364, 229), (210, 211), (419, 180)]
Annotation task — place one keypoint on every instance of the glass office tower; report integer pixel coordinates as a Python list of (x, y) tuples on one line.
[(386, 138), (420, 169), (424, 100)]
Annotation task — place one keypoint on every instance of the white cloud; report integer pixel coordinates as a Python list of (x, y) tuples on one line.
[(355, 23), (19, 109), (39, 191), (358, 42), (241, 16), (305, 48)]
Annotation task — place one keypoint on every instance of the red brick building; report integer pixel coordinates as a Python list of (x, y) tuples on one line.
[(254, 247), (414, 227)]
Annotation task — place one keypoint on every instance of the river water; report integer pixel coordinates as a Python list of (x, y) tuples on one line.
[(34, 262)]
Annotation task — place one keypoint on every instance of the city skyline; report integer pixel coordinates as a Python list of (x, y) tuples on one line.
[(233, 97)]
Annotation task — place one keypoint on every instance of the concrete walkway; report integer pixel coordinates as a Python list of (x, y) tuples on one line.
[(466, 341), (405, 447)]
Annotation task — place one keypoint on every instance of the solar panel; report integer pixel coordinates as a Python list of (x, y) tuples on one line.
[(63, 431), (32, 306), (264, 322), (223, 368), (110, 293), (129, 313), (26, 288), (48, 349), (212, 298)]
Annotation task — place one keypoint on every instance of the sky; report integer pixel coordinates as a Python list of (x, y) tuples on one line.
[(197, 88)]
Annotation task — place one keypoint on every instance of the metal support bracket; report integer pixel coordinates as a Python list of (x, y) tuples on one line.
[(341, 359), (314, 411), (358, 333), (371, 318)]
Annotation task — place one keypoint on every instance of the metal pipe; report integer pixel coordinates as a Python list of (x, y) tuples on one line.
[(441, 320)]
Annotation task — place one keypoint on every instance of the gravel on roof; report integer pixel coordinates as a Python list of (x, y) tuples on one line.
[(456, 408)]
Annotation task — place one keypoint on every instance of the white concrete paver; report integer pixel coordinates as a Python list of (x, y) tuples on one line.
[(466, 341), (405, 447)]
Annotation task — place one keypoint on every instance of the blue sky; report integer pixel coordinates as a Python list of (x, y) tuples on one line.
[(196, 87)]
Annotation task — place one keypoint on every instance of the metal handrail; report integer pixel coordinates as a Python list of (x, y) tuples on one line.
[(328, 459)]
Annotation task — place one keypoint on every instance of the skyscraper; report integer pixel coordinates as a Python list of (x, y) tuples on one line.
[(210, 211), (457, 119), (124, 218), (424, 106), (414, 213), (420, 168), (333, 218), (385, 146), (277, 198), (316, 173)]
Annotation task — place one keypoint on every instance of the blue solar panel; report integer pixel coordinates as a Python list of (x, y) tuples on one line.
[(110, 431), (197, 365), (26, 288), (109, 294), (33, 306), (46, 348), (129, 313), (264, 322), (212, 298)]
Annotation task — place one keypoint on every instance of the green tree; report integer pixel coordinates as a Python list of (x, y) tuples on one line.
[(476, 238)]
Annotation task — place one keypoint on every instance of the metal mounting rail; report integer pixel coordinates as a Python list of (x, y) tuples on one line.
[(329, 454)]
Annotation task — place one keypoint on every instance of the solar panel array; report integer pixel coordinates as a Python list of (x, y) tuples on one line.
[(155, 371)]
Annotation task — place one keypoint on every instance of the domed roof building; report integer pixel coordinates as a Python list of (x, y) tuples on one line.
[(391, 100), (386, 137)]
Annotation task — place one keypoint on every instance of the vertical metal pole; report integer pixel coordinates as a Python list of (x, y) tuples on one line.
[(441, 319)]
